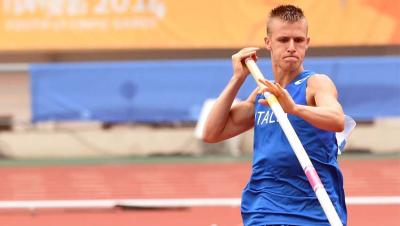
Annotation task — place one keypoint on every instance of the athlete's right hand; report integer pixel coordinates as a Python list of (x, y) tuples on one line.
[(239, 67)]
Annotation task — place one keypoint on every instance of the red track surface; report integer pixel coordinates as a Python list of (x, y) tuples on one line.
[(198, 180)]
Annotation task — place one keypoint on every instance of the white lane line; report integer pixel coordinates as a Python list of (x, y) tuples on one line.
[(167, 203)]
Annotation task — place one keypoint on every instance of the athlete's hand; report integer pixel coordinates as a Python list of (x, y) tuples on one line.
[(284, 98), (240, 69)]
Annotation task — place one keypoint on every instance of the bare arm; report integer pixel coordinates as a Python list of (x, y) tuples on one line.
[(224, 120), (323, 110)]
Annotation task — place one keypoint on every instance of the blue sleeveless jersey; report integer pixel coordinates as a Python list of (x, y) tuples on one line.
[(278, 191)]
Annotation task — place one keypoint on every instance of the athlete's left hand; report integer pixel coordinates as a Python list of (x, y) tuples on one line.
[(284, 98)]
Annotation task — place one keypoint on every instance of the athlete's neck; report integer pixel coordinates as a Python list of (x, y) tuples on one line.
[(284, 77)]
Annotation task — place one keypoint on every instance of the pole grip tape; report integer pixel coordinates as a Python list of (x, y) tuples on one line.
[(313, 178)]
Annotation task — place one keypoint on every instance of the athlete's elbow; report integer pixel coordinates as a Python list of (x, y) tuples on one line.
[(209, 138), (338, 128), (339, 125), (209, 134), (334, 125)]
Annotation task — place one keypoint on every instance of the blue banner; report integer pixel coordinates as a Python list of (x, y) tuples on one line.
[(368, 87), (174, 90), (143, 91)]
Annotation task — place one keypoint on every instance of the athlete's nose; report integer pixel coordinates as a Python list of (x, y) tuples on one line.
[(291, 48)]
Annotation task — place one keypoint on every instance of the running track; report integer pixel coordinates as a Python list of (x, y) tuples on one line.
[(378, 177)]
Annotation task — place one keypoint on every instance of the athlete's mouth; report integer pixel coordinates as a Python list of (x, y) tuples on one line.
[(290, 57)]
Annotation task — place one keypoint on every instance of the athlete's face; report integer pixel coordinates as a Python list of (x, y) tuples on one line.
[(287, 43)]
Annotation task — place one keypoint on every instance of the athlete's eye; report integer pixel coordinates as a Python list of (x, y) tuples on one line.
[(299, 39), (283, 39)]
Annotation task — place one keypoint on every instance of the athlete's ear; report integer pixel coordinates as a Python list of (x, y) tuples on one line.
[(267, 42), (307, 42)]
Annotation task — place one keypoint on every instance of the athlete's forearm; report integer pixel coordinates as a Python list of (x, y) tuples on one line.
[(219, 114), (326, 118)]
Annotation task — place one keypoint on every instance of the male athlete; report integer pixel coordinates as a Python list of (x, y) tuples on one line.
[(278, 192)]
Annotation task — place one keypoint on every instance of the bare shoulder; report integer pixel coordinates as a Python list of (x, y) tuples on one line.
[(319, 79), (321, 82)]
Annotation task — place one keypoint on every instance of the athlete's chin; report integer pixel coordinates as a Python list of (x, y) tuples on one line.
[(290, 67)]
